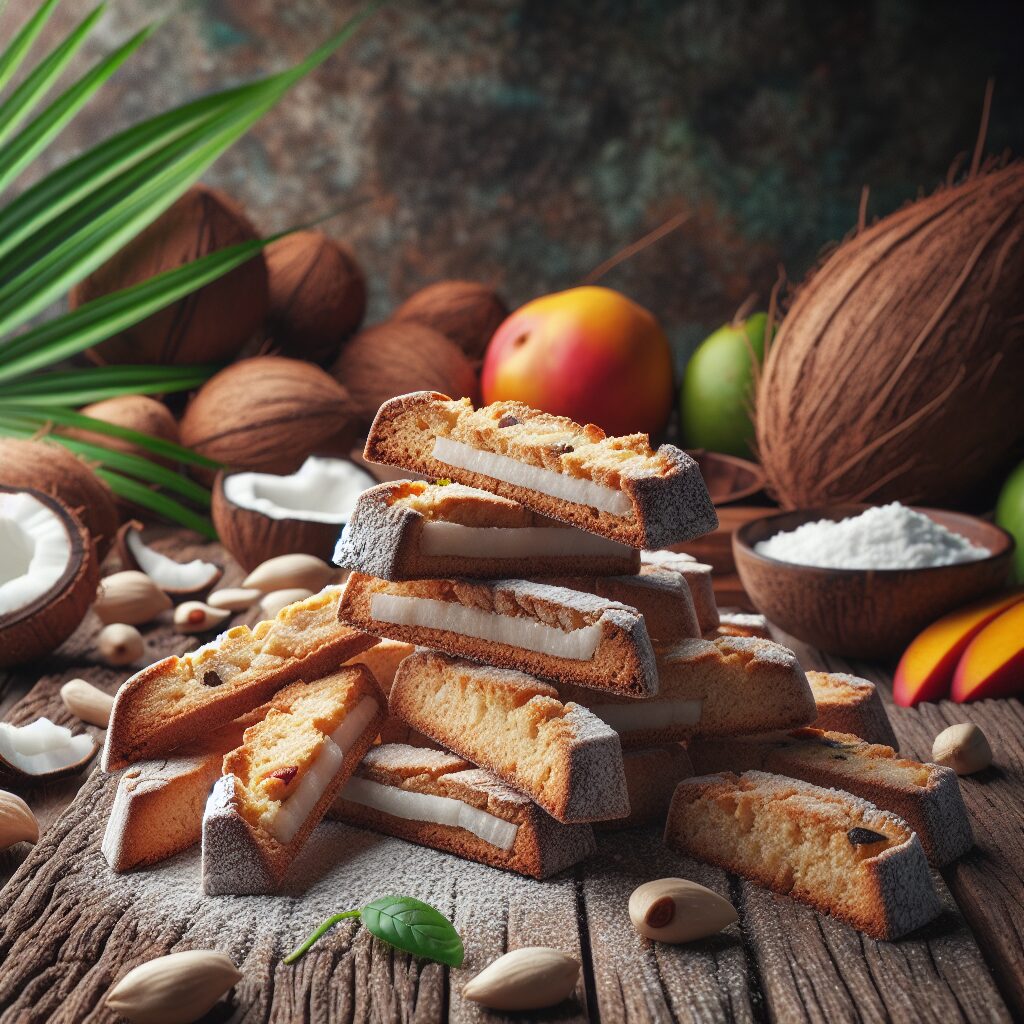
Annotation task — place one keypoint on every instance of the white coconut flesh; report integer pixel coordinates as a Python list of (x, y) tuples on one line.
[(41, 747), (321, 491), (168, 574), (35, 551)]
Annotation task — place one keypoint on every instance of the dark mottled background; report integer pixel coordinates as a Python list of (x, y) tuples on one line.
[(523, 142)]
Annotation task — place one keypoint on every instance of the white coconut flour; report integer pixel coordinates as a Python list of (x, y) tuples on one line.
[(886, 537)]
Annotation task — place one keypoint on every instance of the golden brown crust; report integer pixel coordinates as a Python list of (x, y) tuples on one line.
[(179, 700), (850, 704), (669, 502)]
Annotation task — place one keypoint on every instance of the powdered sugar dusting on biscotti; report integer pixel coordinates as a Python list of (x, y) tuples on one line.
[(677, 507), (598, 786), (370, 539), (578, 600), (232, 863), (401, 757)]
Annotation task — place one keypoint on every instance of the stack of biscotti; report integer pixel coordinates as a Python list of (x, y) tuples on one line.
[(270, 718)]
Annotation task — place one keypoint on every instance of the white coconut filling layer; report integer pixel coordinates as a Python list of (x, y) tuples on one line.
[(523, 542), (438, 810), (649, 714), (285, 820), (534, 478), (42, 747), (34, 550), (515, 631), (320, 491)]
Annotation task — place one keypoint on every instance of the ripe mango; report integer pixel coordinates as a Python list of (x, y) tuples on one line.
[(993, 664)]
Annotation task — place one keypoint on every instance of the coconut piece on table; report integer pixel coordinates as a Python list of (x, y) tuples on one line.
[(176, 579), (42, 749)]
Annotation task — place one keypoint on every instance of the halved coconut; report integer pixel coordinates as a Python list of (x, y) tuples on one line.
[(260, 516), (42, 749), (176, 579), (48, 574)]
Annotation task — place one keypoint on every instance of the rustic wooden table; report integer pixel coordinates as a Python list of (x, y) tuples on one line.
[(69, 928)]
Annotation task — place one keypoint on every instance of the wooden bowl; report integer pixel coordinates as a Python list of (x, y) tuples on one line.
[(865, 613), (728, 478)]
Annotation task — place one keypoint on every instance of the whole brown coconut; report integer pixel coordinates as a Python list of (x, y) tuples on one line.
[(317, 295), (268, 413), (897, 373), (40, 627), (135, 412), (463, 311), (49, 467), (394, 358), (208, 326)]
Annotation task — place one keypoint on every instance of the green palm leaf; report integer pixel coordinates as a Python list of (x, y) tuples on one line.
[(18, 49)]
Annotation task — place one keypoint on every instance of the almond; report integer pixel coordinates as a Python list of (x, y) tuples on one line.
[(235, 599), (677, 910), (963, 747), (119, 644), (175, 989), (88, 702), (525, 979), (286, 572), (17, 822), (130, 597), (196, 617), (273, 602)]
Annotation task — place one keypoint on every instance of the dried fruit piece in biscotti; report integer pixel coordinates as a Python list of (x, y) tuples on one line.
[(850, 704), (278, 784), (551, 632), (652, 774), (926, 796), (698, 579), (837, 852), (410, 529), (437, 799), (618, 487), (725, 687), (560, 755), (179, 700)]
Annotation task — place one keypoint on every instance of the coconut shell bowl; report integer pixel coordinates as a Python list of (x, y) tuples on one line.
[(865, 613)]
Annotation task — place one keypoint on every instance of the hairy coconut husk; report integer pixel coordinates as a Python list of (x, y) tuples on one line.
[(897, 373), (268, 413), (212, 324), (317, 295), (135, 412), (49, 467), (395, 358), (465, 312), (41, 627)]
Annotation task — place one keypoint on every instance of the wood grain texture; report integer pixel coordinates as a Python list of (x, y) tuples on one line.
[(69, 928)]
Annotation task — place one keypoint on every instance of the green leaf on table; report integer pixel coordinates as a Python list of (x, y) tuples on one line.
[(416, 927)]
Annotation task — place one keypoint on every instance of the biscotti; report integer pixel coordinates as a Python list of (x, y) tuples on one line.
[(559, 634), (849, 704), (661, 596), (926, 796), (698, 579), (742, 624), (618, 487), (560, 755), (278, 784), (725, 687), (837, 852), (652, 774), (180, 700), (158, 805), (410, 529), (383, 660), (436, 799)]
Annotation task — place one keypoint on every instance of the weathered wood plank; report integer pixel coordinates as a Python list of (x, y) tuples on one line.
[(987, 883)]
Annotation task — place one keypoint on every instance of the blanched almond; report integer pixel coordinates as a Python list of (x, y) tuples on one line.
[(88, 702), (531, 978), (130, 597), (678, 910), (963, 747), (289, 571), (235, 599), (196, 617), (119, 644), (17, 822), (273, 602)]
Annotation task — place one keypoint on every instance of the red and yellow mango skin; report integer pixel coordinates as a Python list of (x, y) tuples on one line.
[(926, 670), (588, 353), (993, 664)]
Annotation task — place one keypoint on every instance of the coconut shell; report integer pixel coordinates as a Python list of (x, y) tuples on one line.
[(317, 295), (41, 627), (465, 312), (212, 324), (135, 412), (253, 537), (49, 467), (268, 413), (897, 372), (397, 357)]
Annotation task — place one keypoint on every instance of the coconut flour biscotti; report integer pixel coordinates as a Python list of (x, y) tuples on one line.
[(560, 755), (837, 852), (436, 799), (847, 703), (553, 632), (411, 529), (698, 579), (652, 774), (725, 687), (926, 796), (179, 700), (618, 487), (278, 784)]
